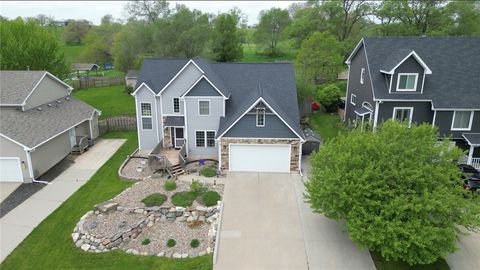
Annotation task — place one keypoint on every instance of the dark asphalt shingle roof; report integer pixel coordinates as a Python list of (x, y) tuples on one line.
[(15, 86), (238, 81), (33, 126), (174, 121), (394, 59), (472, 138), (454, 62)]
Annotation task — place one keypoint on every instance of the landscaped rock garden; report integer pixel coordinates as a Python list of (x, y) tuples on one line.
[(154, 217), (207, 168), (136, 168)]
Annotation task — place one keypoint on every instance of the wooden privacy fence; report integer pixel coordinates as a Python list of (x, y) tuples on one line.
[(90, 82), (117, 123)]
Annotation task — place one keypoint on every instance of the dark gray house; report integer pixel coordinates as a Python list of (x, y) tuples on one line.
[(244, 115), (418, 79)]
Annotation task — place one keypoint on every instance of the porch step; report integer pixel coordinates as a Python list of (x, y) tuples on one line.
[(177, 170)]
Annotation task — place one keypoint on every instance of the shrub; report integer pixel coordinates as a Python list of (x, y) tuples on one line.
[(171, 243), (146, 241), (170, 185), (184, 199), (208, 172), (194, 243), (210, 198), (128, 89), (329, 95), (197, 187), (155, 199)]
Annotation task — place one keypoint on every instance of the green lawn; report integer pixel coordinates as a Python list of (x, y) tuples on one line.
[(111, 100), (50, 245), (72, 53), (325, 124), (382, 264)]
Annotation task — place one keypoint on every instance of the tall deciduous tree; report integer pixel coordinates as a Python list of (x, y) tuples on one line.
[(319, 59), (27, 45), (398, 190), (130, 45), (226, 39), (270, 29), (148, 10), (99, 41), (75, 31)]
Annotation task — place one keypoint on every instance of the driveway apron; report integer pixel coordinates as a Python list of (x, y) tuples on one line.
[(19, 222)]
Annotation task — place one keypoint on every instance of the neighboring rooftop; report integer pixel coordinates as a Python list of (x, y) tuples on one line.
[(132, 73), (34, 126), (84, 66), (454, 62), (16, 85)]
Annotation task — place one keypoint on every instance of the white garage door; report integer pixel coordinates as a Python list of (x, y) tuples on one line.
[(260, 158), (10, 170)]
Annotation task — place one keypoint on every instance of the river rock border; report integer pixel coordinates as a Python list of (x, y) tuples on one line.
[(95, 243)]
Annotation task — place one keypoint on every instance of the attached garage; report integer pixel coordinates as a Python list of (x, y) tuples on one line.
[(260, 158), (10, 169)]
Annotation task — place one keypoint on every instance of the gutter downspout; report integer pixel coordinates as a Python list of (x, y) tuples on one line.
[(30, 169)]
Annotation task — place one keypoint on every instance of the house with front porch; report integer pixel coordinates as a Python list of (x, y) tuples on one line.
[(244, 115), (433, 80)]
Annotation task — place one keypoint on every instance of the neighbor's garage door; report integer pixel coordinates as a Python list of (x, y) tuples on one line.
[(10, 170), (260, 158)]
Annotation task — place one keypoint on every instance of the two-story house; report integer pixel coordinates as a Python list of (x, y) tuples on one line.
[(40, 124), (243, 115), (432, 80)]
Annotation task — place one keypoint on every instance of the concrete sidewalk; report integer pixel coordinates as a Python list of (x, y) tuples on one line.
[(19, 222)]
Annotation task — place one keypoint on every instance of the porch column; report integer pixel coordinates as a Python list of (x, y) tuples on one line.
[(470, 155)]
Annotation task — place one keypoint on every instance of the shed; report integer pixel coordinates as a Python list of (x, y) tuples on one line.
[(312, 141), (85, 67), (131, 77)]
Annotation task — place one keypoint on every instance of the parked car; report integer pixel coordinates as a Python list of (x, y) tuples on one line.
[(469, 171), (471, 184)]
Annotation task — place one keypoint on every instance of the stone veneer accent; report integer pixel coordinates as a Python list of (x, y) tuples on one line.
[(294, 158), (167, 140)]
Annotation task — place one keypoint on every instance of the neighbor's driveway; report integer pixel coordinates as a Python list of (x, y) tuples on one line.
[(19, 222), (468, 255), (266, 225)]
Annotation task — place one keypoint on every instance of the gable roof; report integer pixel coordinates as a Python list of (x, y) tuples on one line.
[(203, 87), (397, 58), (454, 82), (15, 86), (33, 127), (85, 66), (242, 83)]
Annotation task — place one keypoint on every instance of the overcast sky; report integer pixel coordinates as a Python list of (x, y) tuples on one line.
[(94, 10)]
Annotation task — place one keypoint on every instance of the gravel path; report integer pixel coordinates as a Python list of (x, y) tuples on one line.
[(130, 169), (110, 224)]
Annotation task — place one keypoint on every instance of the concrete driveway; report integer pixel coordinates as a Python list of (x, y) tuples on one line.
[(468, 255), (19, 222), (6, 188), (266, 225)]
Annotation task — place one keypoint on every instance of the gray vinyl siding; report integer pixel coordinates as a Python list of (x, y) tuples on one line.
[(410, 65), (203, 89), (247, 127), (178, 87), (48, 90), (422, 111), (147, 138), (363, 91), (443, 121), (195, 122), (94, 124), (83, 129), (10, 149), (50, 153)]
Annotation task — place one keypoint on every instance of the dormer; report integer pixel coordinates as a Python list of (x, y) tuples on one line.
[(405, 72)]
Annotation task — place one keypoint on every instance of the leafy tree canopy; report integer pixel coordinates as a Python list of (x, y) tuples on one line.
[(329, 95), (270, 29), (99, 41), (398, 190), (27, 45), (227, 39), (75, 31)]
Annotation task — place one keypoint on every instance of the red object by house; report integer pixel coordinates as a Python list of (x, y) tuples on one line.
[(315, 106)]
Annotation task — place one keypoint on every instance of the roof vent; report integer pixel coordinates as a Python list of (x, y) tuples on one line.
[(39, 108), (49, 105), (59, 101), (67, 98)]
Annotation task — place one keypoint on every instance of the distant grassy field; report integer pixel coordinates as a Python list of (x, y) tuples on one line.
[(72, 53), (112, 100)]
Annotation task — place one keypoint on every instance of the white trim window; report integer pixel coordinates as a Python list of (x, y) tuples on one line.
[(362, 74), (462, 120), (353, 99), (403, 115), (204, 138), (407, 81), (176, 105), (260, 119), (146, 113), (204, 107)]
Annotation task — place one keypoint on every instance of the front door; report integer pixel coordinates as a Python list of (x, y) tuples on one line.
[(178, 137)]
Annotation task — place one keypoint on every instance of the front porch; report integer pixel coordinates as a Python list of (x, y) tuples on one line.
[(473, 140), (168, 158)]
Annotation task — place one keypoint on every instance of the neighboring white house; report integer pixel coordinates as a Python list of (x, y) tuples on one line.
[(245, 115), (40, 123)]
